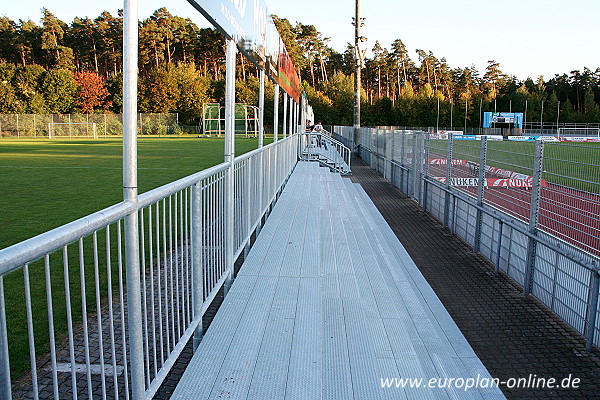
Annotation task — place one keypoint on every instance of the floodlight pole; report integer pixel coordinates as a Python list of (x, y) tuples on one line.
[(130, 194), (357, 73), (557, 117)]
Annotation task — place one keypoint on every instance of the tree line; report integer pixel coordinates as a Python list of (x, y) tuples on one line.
[(55, 67)]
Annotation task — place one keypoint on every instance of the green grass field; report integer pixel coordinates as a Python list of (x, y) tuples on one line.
[(47, 183)]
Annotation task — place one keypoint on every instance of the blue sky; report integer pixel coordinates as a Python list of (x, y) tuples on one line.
[(527, 37)]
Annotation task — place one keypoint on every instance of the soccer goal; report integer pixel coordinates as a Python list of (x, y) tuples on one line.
[(72, 130), (588, 132)]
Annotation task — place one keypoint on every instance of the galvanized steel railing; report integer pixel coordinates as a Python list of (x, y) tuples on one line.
[(539, 225), (320, 147), (79, 270)]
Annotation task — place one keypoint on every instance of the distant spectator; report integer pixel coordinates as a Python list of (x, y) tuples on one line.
[(309, 125), (318, 127)]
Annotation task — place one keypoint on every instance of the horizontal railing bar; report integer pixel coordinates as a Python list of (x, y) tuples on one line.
[(19, 254), (249, 154), (164, 191)]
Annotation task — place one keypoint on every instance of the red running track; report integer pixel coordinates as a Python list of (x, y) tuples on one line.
[(567, 213)]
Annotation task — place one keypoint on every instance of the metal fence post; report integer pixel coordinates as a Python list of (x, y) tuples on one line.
[(413, 172), (538, 159), (426, 170), (130, 192), (448, 177), (480, 193), (592, 310), (499, 248), (197, 263), (285, 110), (229, 158)]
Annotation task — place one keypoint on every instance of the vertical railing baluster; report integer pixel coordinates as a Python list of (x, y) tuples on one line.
[(144, 296), (113, 351), (70, 323), (122, 308), (99, 313), (5, 382), (30, 332), (197, 268)]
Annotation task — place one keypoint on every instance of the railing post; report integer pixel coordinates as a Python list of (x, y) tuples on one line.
[(426, 170), (229, 158), (276, 113), (448, 177), (5, 384), (285, 116), (534, 215), (291, 121), (261, 108), (197, 263), (480, 193), (130, 193), (592, 310)]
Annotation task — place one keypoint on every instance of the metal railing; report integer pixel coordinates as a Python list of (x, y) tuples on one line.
[(321, 147), (72, 280), (530, 209)]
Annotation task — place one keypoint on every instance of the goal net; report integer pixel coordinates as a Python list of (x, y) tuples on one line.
[(72, 129), (594, 132)]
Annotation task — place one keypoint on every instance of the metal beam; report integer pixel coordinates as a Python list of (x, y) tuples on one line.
[(130, 193)]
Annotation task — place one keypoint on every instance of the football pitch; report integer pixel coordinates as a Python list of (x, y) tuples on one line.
[(48, 183)]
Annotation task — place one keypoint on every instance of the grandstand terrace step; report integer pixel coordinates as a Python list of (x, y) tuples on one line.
[(325, 307)]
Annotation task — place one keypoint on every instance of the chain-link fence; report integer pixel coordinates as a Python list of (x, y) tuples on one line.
[(530, 207), (83, 125)]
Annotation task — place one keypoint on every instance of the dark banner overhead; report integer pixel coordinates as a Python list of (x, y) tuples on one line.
[(248, 23)]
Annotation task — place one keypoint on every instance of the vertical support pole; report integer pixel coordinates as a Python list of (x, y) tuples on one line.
[(130, 193), (261, 108), (415, 175), (5, 384), (357, 71), (291, 121), (229, 158), (448, 177), (426, 170), (480, 193), (197, 263), (499, 249), (534, 215), (592, 310), (285, 111), (276, 112)]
